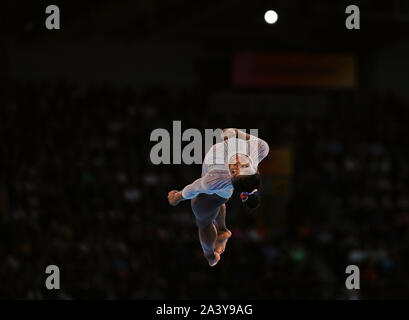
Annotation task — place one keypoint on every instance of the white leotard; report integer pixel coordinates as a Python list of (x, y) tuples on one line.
[(216, 177)]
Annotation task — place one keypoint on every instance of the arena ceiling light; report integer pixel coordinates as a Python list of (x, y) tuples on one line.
[(271, 16)]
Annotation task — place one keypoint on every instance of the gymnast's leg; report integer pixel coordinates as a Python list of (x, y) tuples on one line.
[(206, 208), (223, 234), (208, 236)]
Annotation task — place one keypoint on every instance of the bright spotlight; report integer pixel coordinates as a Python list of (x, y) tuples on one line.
[(271, 16)]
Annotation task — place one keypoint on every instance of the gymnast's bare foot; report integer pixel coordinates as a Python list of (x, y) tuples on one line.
[(213, 259), (221, 241)]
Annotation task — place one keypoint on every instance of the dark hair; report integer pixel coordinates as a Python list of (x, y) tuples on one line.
[(247, 183)]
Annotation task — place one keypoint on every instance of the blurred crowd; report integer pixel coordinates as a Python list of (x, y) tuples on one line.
[(78, 190)]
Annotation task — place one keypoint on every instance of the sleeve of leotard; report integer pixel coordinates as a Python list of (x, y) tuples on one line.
[(210, 183), (263, 149), (193, 189), (259, 149)]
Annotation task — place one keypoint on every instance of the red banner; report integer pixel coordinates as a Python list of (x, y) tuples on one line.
[(303, 70)]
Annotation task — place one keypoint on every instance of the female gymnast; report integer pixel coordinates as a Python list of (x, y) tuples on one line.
[(229, 165)]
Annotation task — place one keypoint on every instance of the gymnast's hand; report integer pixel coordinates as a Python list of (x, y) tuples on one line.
[(174, 197), (234, 133), (229, 133)]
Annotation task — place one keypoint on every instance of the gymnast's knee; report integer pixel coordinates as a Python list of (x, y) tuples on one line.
[(203, 223)]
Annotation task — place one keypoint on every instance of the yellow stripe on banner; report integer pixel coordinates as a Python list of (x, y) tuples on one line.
[(279, 162)]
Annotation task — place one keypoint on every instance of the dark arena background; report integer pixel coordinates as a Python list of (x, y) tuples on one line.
[(78, 189)]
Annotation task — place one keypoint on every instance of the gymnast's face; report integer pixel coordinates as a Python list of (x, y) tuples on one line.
[(238, 163)]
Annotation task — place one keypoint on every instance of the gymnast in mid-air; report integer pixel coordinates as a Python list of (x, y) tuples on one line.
[(229, 165)]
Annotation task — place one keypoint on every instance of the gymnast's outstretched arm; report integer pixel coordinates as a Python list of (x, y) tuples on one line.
[(188, 192), (259, 153), (209, 184)]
